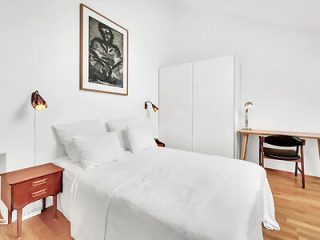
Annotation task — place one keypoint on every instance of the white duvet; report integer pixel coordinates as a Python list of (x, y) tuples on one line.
[(169, 194)]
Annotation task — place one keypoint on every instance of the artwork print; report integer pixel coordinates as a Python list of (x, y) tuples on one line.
[(104, 57)]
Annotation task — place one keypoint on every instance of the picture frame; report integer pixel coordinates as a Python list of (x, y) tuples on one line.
[(103, 53)]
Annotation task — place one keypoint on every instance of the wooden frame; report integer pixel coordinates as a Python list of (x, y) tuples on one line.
[(111, 80)]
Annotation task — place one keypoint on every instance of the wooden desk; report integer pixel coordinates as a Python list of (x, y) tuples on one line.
[(246, 133)]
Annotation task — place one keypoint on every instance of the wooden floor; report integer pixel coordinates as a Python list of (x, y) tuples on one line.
[(41, 227), (297, 211)]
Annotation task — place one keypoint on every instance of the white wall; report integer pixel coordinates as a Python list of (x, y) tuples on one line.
[(279, 72), (39, 48)]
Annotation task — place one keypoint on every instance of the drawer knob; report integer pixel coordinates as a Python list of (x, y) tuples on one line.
[(39, 193), (39, 182)]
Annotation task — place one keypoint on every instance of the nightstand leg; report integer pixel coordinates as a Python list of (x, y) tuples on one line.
[(55, 206), (43, 204), (19, 222), (9, 216)]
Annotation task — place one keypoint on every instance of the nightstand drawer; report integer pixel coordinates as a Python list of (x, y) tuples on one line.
[(36, 195), (35, 189), (41, 193), (37, 183)]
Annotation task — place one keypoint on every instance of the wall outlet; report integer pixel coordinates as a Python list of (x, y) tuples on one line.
[(28, 211)]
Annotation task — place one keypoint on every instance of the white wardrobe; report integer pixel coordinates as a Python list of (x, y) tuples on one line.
[(199, 106)]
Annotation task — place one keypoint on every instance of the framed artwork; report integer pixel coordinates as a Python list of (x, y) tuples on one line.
[(103, 53)]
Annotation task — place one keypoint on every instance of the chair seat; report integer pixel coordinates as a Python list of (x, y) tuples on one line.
[(281, 154)]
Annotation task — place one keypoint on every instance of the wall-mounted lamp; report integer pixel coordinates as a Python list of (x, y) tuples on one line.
[(37, 102), (247, 106), (154, 107)]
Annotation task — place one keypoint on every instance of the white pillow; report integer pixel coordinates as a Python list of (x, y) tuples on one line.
[(139, 139), (66, 133), (99, 149), (120, 127)]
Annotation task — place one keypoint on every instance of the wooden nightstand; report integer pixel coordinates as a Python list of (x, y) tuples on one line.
[(159, 143), (21, 187)]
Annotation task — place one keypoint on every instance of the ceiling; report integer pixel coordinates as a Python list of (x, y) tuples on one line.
[(301, 15)]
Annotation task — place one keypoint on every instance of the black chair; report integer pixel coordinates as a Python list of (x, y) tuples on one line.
[(289, 151)]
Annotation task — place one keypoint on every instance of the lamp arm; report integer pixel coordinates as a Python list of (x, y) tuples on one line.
[(154, 107), (247, 119), (146, 104)]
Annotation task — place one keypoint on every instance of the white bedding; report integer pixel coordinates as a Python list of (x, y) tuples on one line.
[(169, 194), (71, 171)]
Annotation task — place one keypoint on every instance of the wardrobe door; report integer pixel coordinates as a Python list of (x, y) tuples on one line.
[(175, 101), (213, 106)]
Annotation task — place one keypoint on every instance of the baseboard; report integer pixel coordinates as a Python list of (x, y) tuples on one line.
[(28, 211)]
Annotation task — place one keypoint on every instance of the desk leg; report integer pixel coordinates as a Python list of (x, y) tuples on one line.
[(19, 222), (55, 206), (319, 146), (244, 143)]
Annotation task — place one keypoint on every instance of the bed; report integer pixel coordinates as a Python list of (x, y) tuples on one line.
[(163, 193)]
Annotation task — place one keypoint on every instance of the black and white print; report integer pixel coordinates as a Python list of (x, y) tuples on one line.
[(104, 54)]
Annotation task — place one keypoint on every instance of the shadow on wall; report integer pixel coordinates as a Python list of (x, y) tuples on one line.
[(22, 110)]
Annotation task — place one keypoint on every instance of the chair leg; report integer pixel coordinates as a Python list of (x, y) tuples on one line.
[(262, 160), (296, 170), (261, 152), (302, 168)]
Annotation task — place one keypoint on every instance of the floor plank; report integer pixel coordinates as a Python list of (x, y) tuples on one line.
[(297, 212)]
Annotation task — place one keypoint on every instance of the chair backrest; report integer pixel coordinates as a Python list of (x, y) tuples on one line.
[(284, 141)]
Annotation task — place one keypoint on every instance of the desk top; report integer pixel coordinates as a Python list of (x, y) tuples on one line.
[(273, 132)]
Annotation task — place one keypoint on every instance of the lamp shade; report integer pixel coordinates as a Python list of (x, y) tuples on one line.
[(154, 107), (248, 105), (37, 102)]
